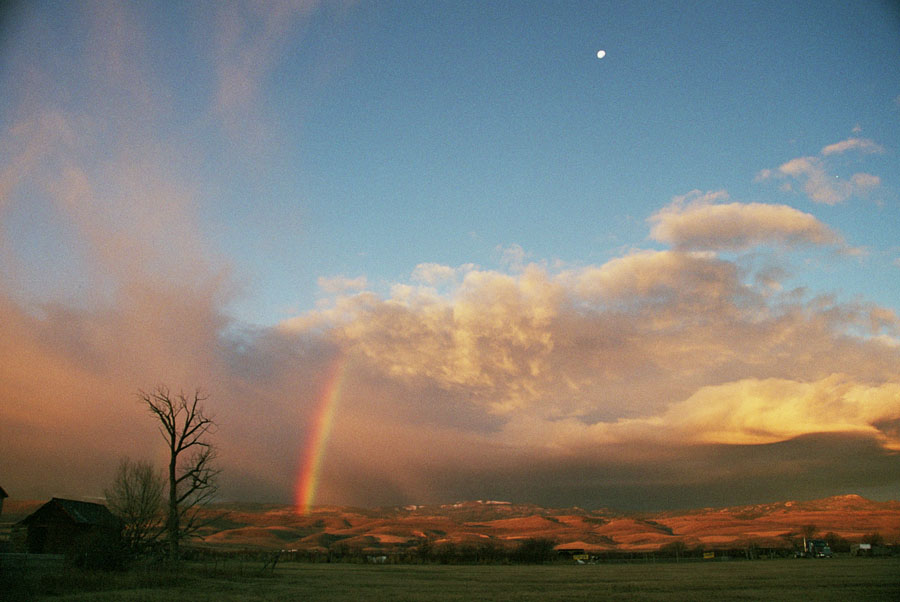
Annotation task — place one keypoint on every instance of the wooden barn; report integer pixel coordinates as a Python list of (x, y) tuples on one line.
[(57, 525)]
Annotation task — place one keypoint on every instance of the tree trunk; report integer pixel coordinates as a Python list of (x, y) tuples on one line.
[(172, 523)]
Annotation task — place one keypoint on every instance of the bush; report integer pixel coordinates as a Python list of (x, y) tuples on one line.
[(874, 539), (837, 543), (98, 550), (535, 550), (674, 549)]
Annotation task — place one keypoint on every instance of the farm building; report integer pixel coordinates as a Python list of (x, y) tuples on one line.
[(57, 525)]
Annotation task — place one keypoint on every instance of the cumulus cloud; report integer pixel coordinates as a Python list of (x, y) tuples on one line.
[(657, 278), (655, 378), (655, 349), (702, 225), (504, 384), (638, 327)]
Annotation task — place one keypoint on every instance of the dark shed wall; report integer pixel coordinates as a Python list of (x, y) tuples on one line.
[(58, 525)]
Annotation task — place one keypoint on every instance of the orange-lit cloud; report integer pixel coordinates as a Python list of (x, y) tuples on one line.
[(751, 411), (653, 374), (737, 226), (502, 380), (651, 327)]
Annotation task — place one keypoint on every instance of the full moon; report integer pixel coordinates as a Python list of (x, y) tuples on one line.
[(601, 54)]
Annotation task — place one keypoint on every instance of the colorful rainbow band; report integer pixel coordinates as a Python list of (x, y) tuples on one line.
[(317, 439)]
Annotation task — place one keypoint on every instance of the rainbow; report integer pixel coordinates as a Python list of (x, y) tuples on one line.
[(317, 440)]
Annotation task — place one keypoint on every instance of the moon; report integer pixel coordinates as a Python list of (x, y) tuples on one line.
[(601, 54)]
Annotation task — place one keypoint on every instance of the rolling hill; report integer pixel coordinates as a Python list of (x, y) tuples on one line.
[(241, 526), (502, 524)]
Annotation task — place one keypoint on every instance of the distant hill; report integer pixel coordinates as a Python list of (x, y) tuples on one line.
[(503, 524)]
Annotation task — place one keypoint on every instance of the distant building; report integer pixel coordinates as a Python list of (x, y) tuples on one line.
[(57, 525), (868, 549), (3, 496)]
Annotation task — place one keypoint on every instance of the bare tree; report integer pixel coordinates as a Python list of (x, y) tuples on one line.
[(873, 539), (809, 531), (136, 497), (185, 426)]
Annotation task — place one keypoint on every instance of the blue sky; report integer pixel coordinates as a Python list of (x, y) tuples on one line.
[(372, 137), (468, 203), (448, 130)]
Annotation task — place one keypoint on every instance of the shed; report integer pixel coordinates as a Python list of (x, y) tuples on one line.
[(57, 525)]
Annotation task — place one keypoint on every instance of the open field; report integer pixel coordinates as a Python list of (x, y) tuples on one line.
[(789, 579)]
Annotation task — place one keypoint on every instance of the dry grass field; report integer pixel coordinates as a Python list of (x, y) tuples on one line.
[(787, 579)]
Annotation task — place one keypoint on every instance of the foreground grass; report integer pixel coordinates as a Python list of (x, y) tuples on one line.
[(789, 579)]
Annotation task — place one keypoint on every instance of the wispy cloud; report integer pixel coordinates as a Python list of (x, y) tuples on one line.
[(436, 274), (249, 41), (340, 284), (813, 175), (863, 145)]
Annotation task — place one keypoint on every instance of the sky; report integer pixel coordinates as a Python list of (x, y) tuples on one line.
[(422, 252)]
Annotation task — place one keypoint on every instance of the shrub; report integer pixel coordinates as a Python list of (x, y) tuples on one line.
[(98, 550), (535, 550)]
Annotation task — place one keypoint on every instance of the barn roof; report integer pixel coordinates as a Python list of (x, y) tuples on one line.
[(82, 513)]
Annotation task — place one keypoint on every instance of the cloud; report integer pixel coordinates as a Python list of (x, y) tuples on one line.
[(643, 327), (124, 85), (813, 174), (749, 416), (652, 379), (756, 411), (701, 198), (513, 256), (134, 296), (249, 41), (656, 277), (864, 182), (822, 187), (551, 374), (436, 274), (640, 374), (863, 145), (28, 143), (702, 225), (340, 284)]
